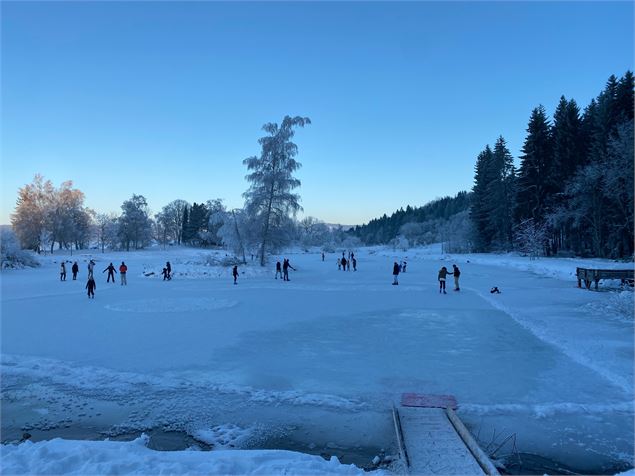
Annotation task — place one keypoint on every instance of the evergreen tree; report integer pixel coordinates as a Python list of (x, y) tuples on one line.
[(536, 168), (185, 225), (500, 196), (481, 208)]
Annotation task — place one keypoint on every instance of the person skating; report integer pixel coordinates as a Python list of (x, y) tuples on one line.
[(62, 272), (354, 264), (91, 268), (456, 272), (285, 268), (443, 273), (404, 266), (91, 285), (235, 273), (395, 273), (111, 273), (123, 269), (322, 255), (278, 269), (339, 264), (344, 262), (75, 270), (168, 266), (165, 273), (348, 265)]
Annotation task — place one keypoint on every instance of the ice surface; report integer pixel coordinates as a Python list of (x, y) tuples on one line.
[(322, 357)]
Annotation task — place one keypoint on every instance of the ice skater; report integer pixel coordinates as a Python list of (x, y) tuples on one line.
[(168, 266), (354, 260), (285, 268), (91, 285), (165, 274), (75, 270), (443, 274), (91, 268), (322, 255), (395, 274), (456, 272), (339, 264), (111, 273), (403, 268), (62, 272), (344, 262), (123, 269), (235, 273), (278, 269)]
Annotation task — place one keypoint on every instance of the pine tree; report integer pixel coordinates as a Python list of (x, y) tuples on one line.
[(500, 196), (536, 168), (481, 208)]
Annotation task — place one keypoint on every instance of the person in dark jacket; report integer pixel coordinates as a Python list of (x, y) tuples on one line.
[(111, 273), (168, 266), (443, 274), (344, 263), (285, 269), (395, 273), (165, 273), (322, 255), (278, 269), (354, 260), (63, 272), (456, 273), (91, 285), (75, 270), (235, 274)]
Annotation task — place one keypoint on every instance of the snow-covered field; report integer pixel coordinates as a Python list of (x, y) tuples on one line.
[(310, 365)]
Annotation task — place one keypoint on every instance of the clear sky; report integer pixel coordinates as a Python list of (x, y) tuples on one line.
[(166, 99)]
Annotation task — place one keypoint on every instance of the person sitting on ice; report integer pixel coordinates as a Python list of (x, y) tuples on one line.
[(495, 290)]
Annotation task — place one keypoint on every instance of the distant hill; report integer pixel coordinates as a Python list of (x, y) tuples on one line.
[(434, 215)]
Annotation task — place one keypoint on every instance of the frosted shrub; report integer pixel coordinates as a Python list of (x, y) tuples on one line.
[(11, 255)]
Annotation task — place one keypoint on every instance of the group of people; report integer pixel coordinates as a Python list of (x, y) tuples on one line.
[(283, 269), (442, 276), (91, 285), (344, 264)]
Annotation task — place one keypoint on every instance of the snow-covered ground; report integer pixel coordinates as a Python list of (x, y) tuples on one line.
[(313, 364)]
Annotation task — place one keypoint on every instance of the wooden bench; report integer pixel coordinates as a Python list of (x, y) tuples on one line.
[(589, 275)]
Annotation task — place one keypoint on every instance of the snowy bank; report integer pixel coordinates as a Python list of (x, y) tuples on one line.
[(60, 456)]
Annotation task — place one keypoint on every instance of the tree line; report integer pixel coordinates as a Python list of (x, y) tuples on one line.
[(573, 190), (418, 225), (46, 216), (572, 193)]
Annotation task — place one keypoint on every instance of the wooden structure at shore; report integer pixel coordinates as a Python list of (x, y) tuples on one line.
[(590, 275), (433, 440)]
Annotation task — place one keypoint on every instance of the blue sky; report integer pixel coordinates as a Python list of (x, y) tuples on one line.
[(166, 99)]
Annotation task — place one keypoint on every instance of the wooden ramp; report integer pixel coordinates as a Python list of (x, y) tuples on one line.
[(432, 439)]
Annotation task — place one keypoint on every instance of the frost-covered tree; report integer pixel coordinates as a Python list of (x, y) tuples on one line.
[(235, 230), (11, 253), (270, 200), (135, 226), (172, 216), (531, 237), (29, 218), (106, 230)]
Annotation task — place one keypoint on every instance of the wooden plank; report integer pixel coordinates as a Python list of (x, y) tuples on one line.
[(482, 459), (428, 401), (432, 444)]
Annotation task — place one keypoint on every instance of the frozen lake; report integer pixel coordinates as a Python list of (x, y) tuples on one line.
[(320, 359)]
